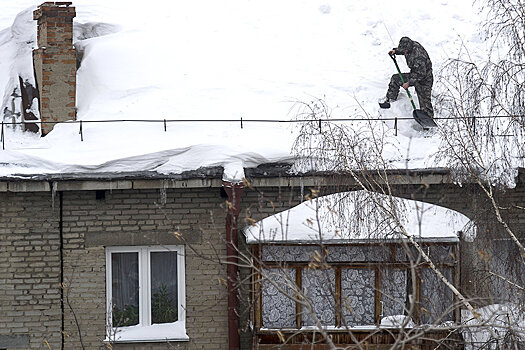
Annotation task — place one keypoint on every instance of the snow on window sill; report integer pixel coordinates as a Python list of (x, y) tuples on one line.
[(314, 328), (175, 331), (358, 328)]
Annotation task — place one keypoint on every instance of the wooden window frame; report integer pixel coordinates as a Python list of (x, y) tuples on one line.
[(338, 266)]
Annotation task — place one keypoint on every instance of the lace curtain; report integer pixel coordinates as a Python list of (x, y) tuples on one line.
[(278, 309), (358, 286), (319, 288), (436, 297), (357, 297), (393, 291), (356, 253)]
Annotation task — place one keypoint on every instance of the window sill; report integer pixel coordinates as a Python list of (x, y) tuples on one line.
[(357, 328), (327, 328), (147, 334)]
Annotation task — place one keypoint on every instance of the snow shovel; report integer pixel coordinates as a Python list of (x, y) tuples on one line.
[(419, 115)]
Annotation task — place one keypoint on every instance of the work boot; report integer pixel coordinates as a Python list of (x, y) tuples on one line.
[(384, 102)]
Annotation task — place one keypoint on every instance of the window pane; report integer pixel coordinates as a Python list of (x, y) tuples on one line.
[(403, 255), (289, 253), (125, 289), (357, 291), (319, 289), (437, 253), (278, 309), (359, 253), (443, 254), (164, 304), (436, 297), (393, 291)]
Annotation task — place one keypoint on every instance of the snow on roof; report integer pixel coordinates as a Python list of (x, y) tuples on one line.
[(359, 217), (221, 60)]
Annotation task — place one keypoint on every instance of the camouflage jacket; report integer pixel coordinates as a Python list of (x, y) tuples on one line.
[(419, 64)]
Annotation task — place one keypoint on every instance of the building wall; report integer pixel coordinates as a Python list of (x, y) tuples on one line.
[(30, 260), (30, 266), (29, 271), (30, 307), (148, 217), (492, 251)]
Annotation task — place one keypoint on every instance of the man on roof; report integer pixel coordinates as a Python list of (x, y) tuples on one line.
[(420, 75)]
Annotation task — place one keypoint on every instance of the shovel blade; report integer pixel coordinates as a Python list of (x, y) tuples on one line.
[(424, 119)]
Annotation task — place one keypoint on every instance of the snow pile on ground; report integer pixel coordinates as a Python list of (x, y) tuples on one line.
[(359, 216), (212, 60)]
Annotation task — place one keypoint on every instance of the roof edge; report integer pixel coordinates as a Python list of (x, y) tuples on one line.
[(265, 175)]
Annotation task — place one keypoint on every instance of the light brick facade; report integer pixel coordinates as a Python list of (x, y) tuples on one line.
[(30, 260), (33, 222)]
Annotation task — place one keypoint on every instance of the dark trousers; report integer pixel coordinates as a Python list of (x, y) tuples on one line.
[(423, 91)]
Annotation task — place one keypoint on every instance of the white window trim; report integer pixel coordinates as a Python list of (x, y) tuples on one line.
[(145, 331)]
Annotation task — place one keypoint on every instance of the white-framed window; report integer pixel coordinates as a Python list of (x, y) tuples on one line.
[(145, 294)]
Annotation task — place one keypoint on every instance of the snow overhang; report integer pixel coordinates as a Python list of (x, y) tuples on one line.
[(264, 175)]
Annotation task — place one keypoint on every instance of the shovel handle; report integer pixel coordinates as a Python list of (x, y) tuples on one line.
[(393, 57)]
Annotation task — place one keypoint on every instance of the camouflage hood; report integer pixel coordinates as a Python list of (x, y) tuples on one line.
[(405, 44), (417, 60)]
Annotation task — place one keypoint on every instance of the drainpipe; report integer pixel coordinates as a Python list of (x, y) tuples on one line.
[(61, 257), (234, 192)]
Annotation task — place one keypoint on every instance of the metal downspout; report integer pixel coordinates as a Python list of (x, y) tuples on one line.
[(61, 257)]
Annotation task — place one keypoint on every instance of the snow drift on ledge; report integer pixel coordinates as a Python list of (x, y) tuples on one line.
[(360, 216)]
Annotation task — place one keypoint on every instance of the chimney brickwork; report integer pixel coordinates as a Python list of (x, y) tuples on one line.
[(55, 63)]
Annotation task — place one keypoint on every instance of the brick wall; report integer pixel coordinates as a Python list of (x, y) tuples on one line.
[(145, 218), (29, 257), (30, 309), (29, 270)]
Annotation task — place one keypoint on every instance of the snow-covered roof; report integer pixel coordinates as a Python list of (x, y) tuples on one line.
[(360, 217), (211, 60)]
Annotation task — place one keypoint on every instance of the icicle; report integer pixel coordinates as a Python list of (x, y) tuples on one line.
[(302, 188), (53, 193), (163, 193)]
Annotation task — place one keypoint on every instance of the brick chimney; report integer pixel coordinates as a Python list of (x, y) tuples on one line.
[(55, 63)]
